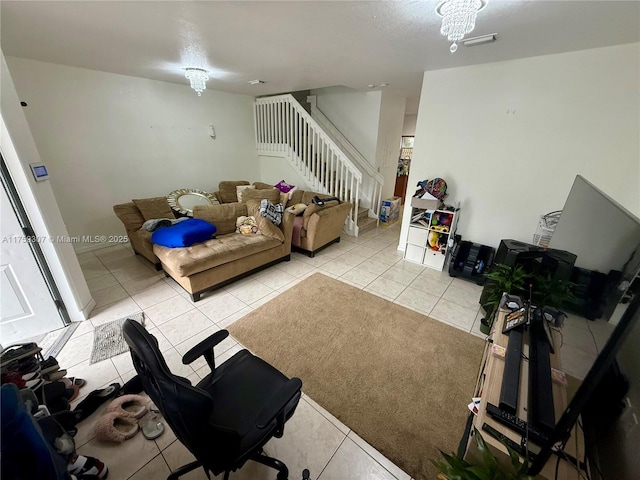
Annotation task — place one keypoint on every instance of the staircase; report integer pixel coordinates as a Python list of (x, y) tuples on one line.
[(283, 128)]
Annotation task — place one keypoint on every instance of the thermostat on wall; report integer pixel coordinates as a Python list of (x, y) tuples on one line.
[(39, 170)]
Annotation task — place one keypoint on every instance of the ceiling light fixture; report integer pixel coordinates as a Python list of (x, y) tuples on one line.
[(198, 78), (470, 42), (458, 18)]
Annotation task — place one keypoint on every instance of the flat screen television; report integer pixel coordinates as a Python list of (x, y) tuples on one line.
[(605, 236)]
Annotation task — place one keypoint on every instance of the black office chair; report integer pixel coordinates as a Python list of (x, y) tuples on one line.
[(229, 415)]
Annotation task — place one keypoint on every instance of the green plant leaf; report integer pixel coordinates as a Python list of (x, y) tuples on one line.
[(484, 473), (487, 456)]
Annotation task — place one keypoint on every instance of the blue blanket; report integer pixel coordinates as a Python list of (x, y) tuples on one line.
[(184, 234)]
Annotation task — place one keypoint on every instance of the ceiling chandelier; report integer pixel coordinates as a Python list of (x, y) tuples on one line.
[(198, 78), (458, 18)]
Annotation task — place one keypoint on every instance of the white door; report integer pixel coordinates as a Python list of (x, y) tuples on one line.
[(27, 308)]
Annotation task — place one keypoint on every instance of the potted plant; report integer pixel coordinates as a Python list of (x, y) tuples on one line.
[(503, 278), (551, 292), (455, 467)]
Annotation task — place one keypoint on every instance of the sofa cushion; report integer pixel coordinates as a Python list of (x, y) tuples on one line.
[(262, 185), (130, 215), (265, 226), (212, 253), (227, 190), (240, 190), (313, 208), (296, 197), (156, 207), (222, 216), (184, 234), (271, 194)]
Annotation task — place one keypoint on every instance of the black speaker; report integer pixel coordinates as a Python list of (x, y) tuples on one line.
[(558, 263), (513, 252)]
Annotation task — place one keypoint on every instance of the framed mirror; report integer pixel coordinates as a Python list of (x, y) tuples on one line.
[(184, 199)]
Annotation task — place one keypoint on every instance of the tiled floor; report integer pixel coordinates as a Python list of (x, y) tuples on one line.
[(122, 284)]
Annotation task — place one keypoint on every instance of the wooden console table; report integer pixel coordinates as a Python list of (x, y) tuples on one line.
[(488, 387)]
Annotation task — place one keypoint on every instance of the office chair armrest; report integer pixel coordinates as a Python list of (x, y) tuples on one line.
[(277, 402), (205, 349)]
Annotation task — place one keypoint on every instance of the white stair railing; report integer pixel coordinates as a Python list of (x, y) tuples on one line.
[(284, 128), (371, 191)]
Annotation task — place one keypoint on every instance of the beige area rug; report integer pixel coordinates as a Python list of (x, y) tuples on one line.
[(399, 379)]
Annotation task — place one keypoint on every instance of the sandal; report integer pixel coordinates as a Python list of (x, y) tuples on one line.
[(74, 382), (113, 427), (151, 427), (129, 406)]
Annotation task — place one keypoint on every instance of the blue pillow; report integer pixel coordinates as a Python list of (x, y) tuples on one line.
[(184, 234)]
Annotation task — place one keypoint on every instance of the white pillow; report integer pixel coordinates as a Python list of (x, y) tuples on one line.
[(240, 189), (297, 209)]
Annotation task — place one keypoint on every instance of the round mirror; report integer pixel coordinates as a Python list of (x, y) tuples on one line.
[(184, 199)]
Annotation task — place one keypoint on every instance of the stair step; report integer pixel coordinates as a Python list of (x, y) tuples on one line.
[(363, 213), (366, 224)]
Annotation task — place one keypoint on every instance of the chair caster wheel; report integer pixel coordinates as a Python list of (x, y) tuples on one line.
[(305, 474)]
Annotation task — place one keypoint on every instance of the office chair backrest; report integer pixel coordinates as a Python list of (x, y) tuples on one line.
[(185, 408)]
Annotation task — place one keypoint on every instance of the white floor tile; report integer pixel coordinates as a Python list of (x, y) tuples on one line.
[(185, 326), (352, 462), (123, 284), (454, 314)]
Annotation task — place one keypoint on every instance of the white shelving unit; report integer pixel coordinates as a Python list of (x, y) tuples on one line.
[(428, 239)]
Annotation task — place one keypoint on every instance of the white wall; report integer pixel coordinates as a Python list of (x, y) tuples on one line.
[(108, 138), (355, 114), (273, 169), (372, 122), (40, 203), (510, 137), (389, 138), (409, 125)]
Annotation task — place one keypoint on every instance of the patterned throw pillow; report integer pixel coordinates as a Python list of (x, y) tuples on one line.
[(271, 211), (284, 187)]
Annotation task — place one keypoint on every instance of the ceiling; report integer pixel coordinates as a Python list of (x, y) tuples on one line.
[(299, 45)]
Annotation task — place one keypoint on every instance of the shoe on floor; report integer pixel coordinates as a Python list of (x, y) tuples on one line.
[(96, 398), (88, 466), (151, 426), (18, 351), (49, 365), (113, 427), (129, 405)]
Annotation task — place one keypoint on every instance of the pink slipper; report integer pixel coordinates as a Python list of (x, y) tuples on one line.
[(128, 406), (112, 427)]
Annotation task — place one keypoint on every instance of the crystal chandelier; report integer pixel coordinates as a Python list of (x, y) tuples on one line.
[(198, 78), (458, 18)]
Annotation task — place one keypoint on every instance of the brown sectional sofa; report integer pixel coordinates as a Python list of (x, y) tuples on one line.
[(217, 262), (317, 228)]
